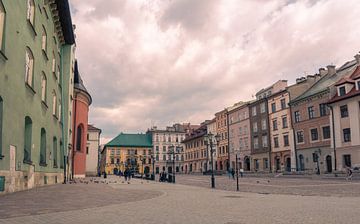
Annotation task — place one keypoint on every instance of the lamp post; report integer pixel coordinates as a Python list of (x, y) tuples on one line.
[(153, 167), (209, 140), (237, 172)]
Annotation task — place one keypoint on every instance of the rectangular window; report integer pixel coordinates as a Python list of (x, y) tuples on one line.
[(253, 109), (284, 122), (314, 134), (342, 91), (300, 136), (311, 112), (276, 142), (297, 116), (164, 148), (164, 157), (326, 132), (256, 143), (358, 85), (157, 148), (286, 140), (283, 104), (323, 111), (347, 160), (273, 107), (112, 160), (264, 141), (2, 24), (263, 124), (262, 108), (266, 163), (347, 135), (275, 128), (255, 127), (87, 150), (344, 111)]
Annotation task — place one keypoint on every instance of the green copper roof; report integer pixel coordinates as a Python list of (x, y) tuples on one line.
[(131, 140)]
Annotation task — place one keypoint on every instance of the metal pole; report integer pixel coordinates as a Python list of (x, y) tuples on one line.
[(174, 166), (153, 163), (212, 165), (237, 173)]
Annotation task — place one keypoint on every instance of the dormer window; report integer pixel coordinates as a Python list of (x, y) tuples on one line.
[(341, 91)]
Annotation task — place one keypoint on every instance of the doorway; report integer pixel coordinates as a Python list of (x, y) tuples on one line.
[(288, 164), (328, 164)]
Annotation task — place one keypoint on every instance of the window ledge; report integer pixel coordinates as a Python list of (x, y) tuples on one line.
[(44, 104), (43, 164), (31, 25), (28, 162), (45, 54), (3, 56), (30, 88)]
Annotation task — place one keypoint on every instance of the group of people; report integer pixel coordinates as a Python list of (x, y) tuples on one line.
[(127, 174), (163, 176), (231, 173)]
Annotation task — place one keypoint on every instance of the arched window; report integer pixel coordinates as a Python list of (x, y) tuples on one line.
[(54, 103), (44, 39), (79, 134), (2, 22), (30, 11), (55, 152), (61, 154), (29, 67), (43, 87), (302, 163), (53, 62), (27, 140), (1, 124), (43, 147), (60, 109)]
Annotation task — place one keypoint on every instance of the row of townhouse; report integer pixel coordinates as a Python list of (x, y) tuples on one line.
[(287, 128), (43, 101)]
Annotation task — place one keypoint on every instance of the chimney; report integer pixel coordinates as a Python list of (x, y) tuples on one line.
[(357, 58), (331, 69), (322, 72)]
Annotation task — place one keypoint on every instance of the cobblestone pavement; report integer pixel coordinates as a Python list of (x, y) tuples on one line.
[(280, 185), (176, 203)]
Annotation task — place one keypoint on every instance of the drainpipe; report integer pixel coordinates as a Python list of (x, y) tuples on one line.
[(294, 137), (333, 135)]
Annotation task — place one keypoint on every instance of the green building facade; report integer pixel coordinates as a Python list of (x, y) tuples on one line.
[(36, 75)]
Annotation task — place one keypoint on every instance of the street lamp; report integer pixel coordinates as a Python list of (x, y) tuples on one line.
[(174, 150), (209, 141), (237, 171)]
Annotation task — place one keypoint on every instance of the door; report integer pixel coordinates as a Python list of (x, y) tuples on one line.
[(288, 164), (329, 164)]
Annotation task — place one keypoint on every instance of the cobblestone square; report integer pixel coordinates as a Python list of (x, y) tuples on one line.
[(278, 201)]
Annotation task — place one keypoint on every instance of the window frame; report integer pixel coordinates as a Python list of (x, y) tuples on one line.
[(297, 116), (344, 113), (315, 134), (29, 67), (311, 112), (346, 136), (31, 12), (2, 25), (302, 136)]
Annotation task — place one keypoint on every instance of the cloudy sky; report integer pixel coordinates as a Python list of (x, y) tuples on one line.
[(156, 62)]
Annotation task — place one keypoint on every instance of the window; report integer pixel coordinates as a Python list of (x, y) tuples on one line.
[(169, 139), (322, 108), (117, 161), (283, 104), (54, 104), (255, 127), (302, 162), (61, 154), (87, 150), (311, 112), (157, 157), (43, 147), (43, 87), (342, 91), (1, 124), (44, 40), (112, 161), (53, 63), (347, 160), (273, 107), (284, 122), (358, 82), (275, 125), (263, 124), (30, 11), (326, 132), (266, 163), (2, 23), (253, 109), (314, 134), (157, 148), (27, 140), (256, 143), (286, 140), (344, 111), (276, 142), (347, 135), (29, 67), (262, 108), (164, 157), (300, 136), (264, 141), (79, 134), (55, 152), (164, 148), (297, 116)]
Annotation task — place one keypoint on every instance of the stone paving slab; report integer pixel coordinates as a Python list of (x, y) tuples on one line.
[(181, 204), (58, 198)]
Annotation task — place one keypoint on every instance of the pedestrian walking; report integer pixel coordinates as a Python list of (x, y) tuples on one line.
[(126, 174), (233, 173), (349, 173), (241, 172)]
